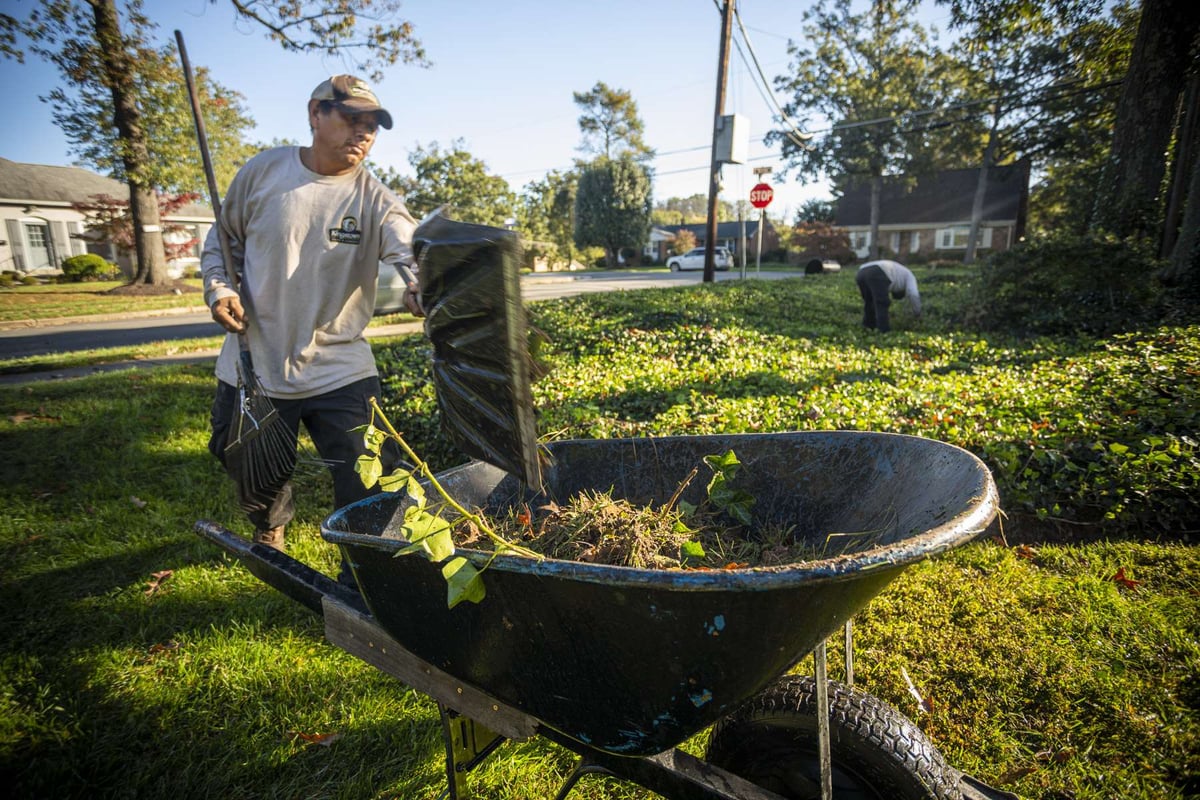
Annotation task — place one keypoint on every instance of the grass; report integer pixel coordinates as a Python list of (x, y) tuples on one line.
[(136, 660), (46, 302), (57, 300)]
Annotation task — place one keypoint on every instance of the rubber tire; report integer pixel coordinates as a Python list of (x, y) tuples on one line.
[(674, 267), (877, 752)]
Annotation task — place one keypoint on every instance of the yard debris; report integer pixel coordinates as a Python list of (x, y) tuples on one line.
[(1122, 580), (157, 579), (922, 703)]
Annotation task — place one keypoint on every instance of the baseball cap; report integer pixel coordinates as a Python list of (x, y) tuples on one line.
[(352, 95)]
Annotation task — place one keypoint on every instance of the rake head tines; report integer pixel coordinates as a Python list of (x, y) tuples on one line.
[(260, 453)]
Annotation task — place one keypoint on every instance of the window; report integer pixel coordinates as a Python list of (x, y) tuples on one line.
[(860, 241), (894, 242), (915, 245), (37, 240), (956, 238)]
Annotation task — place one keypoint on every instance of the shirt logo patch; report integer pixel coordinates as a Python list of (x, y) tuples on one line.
[(348, 233)]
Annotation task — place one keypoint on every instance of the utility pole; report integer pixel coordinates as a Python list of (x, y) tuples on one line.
[(714, 184)]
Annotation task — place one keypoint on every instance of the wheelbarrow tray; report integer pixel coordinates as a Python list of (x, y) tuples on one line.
[(634, 661)]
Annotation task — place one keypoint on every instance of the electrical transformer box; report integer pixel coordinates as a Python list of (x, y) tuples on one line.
[(733, 139)]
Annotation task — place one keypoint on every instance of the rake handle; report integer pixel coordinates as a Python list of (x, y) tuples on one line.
[(210, 175)]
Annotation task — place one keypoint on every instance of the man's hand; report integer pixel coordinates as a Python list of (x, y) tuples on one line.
[(412, 301), (227, 312)]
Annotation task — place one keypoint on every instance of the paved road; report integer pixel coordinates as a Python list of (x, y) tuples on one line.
[(21, 342)]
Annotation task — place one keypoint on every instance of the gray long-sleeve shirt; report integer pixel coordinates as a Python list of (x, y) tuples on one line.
[(903, 282), (308, 247)]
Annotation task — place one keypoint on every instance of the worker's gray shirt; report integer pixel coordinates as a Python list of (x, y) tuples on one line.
[(309, 248), (903, 282)]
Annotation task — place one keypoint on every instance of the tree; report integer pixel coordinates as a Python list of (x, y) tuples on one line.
[(865, 73), (1168, 41), (546, 215), (174, 163), (612, 206), (691, 210), (816, 210), (1022, 68), (85, 40), (1072, 156), (610, 124), (684, 241), (821, 240), (111, 220), (456, 179)]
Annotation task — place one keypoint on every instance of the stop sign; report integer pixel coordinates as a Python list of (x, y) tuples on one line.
[(761, 195)]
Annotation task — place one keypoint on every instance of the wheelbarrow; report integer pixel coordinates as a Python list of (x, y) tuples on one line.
[(621, 665)]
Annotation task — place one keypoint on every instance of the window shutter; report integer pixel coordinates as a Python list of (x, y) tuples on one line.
[(58, 233), (16, 243), (75, 234)]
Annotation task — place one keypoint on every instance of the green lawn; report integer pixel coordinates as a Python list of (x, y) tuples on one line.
[(1060, 660), (56, 300)]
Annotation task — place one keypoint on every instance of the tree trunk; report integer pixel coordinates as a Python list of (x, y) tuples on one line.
[(1184, 268), (1128, 203), (989, 153), (143, 204), (1187, 140), (876, 191)]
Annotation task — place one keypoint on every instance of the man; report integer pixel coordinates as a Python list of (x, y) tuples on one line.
[(307, 228), (879, 282)]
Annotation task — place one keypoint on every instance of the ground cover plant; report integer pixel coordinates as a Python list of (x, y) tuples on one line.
[(1060, 660)]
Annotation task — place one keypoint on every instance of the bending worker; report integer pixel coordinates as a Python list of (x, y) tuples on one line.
[(879, 282)]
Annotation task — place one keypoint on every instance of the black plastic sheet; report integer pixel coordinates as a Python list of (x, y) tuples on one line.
[(474, 317)]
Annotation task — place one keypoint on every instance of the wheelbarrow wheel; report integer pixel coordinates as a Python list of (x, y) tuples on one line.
[(877, 752)]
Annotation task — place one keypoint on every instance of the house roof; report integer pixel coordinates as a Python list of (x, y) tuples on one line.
[(31, 184), (725, 230), (943, 197), (40, 183)]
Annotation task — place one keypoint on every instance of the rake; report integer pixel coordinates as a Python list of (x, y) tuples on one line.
[(260, 452)]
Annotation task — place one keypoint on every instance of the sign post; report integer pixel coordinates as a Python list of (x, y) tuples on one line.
[(760, 197)]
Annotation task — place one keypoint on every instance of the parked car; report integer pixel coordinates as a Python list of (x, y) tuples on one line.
[(389, 291), (694, 259)]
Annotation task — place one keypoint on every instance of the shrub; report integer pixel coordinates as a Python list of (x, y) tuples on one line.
[(88, 266), (29, 280), (1065, 285)]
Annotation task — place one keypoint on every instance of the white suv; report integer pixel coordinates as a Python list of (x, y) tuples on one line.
[(694, 259)]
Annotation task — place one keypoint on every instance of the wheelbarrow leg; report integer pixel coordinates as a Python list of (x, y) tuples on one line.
[(468, 743), (823, 749)]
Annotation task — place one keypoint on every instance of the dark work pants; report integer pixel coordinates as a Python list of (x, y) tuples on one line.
[(330, 419), (873, 284)]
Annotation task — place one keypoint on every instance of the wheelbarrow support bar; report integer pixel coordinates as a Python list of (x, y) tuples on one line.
[(297, 580)]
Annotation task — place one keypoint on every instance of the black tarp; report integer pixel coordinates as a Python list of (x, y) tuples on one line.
[(470, 288)]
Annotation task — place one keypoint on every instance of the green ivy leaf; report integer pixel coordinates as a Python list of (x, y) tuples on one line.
[(373, 438), (463, 582), (692, 550), (394, 482), (369, 469), (413, 487), (424, 525)]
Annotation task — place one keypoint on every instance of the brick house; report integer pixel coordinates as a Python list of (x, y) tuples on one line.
[(929, 217)]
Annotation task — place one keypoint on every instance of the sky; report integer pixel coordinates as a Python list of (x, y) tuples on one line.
[(502, 80)]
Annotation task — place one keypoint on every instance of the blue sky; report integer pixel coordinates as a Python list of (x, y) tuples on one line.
[(502, 80)]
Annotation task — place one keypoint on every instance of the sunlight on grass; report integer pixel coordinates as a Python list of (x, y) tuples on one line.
[(137, 659)]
